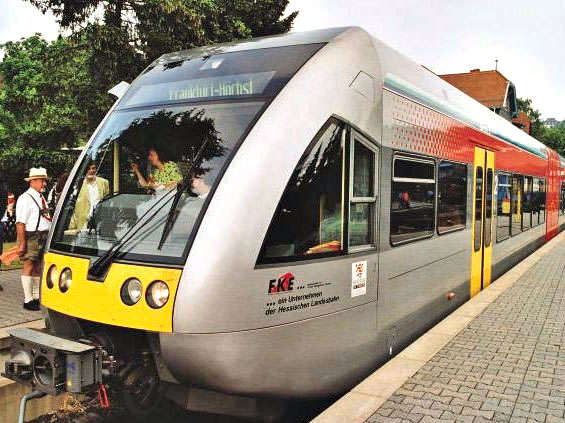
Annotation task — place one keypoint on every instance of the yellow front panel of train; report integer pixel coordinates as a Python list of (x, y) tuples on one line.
[(101, 301)]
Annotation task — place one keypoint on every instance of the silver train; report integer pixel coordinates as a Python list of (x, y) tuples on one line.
[(274, 219)]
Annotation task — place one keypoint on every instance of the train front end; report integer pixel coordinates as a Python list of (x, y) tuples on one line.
[(204, 247), (131, 208)]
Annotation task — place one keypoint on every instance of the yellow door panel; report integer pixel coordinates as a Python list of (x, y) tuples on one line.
[(477, 231), (488, 213), (482, 233)]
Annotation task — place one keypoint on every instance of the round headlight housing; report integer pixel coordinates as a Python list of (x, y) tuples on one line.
[(157, 294), (65, 280), (52, 276), (131, 291)]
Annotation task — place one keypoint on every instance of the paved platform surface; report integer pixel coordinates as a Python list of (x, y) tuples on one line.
[(506, 365), (11, 301)]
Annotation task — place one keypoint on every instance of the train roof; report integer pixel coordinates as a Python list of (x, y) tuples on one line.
[(409, 79), (399, 74), (281, 40)]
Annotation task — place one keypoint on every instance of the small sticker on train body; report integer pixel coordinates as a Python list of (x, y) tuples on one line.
[(358, 278)]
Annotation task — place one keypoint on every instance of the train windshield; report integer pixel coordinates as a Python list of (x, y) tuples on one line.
[(167, 131)]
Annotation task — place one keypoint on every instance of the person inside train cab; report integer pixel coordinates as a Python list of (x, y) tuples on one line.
[(200, 187), (94, 188), (165, 174)]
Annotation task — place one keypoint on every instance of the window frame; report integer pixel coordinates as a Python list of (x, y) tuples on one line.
[(509, 185), (353, 137), (461, 228), (418, 159), (522, 177), (561, 198), (348, 134), (527, 182)]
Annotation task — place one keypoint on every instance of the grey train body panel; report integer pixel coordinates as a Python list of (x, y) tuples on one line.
[(221, 290), (287, 361)]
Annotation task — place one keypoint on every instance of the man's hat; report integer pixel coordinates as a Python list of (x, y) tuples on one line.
[(37, 173)]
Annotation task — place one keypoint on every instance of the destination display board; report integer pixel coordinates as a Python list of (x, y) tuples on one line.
[(247, 84)]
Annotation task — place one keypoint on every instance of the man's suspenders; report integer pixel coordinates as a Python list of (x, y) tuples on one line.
[(40, 210)]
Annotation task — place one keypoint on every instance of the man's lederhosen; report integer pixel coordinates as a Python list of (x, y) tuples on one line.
[(36, 239)]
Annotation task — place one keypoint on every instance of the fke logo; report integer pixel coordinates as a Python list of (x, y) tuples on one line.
[(282, 284)]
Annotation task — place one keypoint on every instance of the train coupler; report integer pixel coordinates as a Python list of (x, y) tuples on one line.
[(52, 365)]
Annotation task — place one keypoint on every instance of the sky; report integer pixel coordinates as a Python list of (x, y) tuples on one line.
[(452, 36), (20, 18), (447, 36)]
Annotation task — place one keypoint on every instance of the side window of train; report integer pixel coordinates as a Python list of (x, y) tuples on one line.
[(308, 221), (516, 204), (537, 201), (327, 209), (562, 199), (527, 203), (452, 197), (503, 202), (413, 199), (541, 200), (362, 193)]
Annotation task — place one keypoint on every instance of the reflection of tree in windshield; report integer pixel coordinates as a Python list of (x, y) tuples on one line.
[(189, 137)]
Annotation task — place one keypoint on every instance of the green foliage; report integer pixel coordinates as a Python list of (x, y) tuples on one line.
[(552, 137), (555, 138), (55, 94), (537, 128), (154, 27), (42, 104)]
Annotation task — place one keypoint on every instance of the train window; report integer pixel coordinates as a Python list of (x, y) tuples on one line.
[(165, 145), (308, 220), (516, 205), (488, 207), (413, 198), (478, 208), (452, 196), (527, 203), (362, 193), (503, 215), (536, 201), (562, 199), (541, 201)]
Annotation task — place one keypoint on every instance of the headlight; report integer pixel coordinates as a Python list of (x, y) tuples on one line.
[(65, 280), (157, 294), (52, 276), (131, 291)]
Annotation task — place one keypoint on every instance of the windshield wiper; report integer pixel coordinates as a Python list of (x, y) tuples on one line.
[(171, 216), (100, 265), (181, 187), (91, 224)]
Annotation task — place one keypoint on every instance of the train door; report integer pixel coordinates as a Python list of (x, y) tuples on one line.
[(481, 248)]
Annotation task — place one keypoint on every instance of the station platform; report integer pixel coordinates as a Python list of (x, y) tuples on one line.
[(13, 315), (499, 357), (11, 301)]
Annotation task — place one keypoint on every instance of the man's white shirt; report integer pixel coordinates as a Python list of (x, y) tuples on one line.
[(27, 211)]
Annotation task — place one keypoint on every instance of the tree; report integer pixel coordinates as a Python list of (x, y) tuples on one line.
[(537, 128), (45, 103), (55, 94), (154, 27), (555, 138)]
